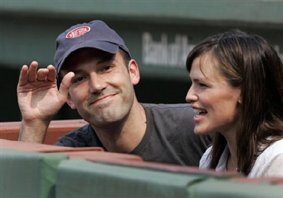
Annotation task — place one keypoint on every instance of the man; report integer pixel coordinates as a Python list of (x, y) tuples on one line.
[(97, 75)]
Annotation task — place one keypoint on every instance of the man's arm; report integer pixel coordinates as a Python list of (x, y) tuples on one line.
[(39, 99), (33, 131)]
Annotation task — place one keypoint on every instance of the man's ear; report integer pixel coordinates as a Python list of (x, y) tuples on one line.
[(134, 71), (70, 102)]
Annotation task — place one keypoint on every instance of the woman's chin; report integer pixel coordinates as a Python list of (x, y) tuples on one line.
[(201, 131)]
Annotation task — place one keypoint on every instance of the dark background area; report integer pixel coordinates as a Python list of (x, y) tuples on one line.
[(155, 90)]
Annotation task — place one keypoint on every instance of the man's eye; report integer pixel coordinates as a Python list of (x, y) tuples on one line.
[(106, 68), (77, 79)]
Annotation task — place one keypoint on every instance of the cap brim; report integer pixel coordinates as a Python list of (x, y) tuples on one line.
[(101, 45)]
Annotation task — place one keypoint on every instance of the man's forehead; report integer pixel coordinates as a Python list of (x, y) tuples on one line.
[(90, 52), (85, 55)]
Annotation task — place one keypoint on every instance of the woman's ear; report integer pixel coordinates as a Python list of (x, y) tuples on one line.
[(240, 99), (134, 71)]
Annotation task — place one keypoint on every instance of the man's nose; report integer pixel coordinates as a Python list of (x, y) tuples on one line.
[(96, 82)]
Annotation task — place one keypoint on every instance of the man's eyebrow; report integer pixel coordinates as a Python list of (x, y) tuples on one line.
[(103, 60), (70, 69), (77, 71), (100, 60)]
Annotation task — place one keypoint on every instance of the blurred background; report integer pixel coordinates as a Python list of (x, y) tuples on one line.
[(159, 34)]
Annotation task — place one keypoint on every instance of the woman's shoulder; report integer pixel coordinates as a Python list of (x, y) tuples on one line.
[(269, 161), (273, 150), (205, 159)]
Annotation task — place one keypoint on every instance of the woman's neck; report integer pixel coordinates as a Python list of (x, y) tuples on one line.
[(232, 160), (232, 163)]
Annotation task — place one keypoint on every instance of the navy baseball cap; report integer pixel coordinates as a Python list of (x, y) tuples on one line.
[(94, 34)]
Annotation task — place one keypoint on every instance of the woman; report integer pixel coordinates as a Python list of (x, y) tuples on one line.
[(237, 94)]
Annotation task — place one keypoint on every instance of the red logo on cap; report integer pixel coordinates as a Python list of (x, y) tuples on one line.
[(77, 32)]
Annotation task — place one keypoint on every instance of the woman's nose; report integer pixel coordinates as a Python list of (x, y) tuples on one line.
[(191, 95)]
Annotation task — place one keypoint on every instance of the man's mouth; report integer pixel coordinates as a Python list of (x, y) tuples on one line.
[(100, 99)]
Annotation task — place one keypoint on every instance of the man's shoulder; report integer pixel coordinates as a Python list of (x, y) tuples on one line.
[(173, 116), (82, 131), (178, 109), (83, 136), (167, 106)]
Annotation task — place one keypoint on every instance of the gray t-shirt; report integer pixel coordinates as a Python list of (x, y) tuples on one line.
[(169, 136)]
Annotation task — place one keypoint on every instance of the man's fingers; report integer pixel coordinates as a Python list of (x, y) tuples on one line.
[(66, 83), (30, 74), (51, 73), (32, 71), (32, 77), (42, 74), (23, 75)]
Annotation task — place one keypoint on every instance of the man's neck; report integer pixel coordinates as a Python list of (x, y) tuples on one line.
[(124, 136)]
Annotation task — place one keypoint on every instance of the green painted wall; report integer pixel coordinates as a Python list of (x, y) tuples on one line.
[(159, 34)]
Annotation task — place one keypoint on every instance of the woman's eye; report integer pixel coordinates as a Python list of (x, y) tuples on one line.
[(203, 85)]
